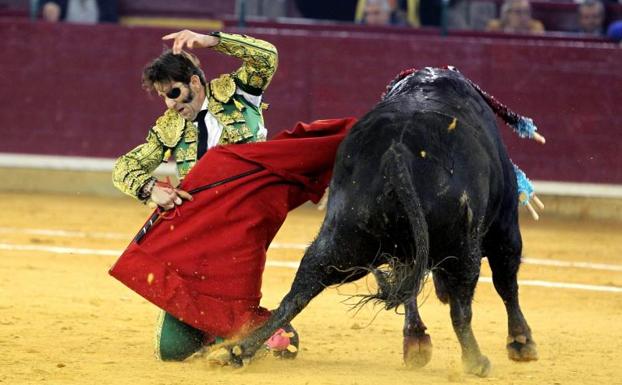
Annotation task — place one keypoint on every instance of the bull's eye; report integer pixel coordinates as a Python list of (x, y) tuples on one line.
[(173, 93)]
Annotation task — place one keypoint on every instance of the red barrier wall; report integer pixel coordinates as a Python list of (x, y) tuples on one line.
[(75, 90)]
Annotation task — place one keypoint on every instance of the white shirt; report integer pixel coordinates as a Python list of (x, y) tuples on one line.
[(214, 128), (82, 11)]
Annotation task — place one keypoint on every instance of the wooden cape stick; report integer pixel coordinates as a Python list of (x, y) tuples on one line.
[(153, 219)]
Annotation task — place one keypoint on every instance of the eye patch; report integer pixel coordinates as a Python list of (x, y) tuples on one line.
[(173, 93)]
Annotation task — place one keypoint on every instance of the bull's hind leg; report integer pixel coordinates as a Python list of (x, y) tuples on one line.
[(459, 278), (503, 248), (417, 343)]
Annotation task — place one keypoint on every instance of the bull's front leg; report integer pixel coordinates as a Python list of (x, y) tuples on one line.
[(239, 353), (417, 343), (309, 282)]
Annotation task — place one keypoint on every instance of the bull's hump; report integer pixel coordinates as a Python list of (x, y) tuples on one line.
[(420, 79), (430, 74)]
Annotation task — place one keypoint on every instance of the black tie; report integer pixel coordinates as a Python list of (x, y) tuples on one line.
[(202, 145)]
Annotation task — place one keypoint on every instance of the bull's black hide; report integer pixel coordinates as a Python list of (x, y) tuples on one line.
[(422, 182)]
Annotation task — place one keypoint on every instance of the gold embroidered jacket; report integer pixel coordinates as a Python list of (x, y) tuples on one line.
[(174, 135)]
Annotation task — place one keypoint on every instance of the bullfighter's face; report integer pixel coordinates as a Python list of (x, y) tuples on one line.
[(185, 98)]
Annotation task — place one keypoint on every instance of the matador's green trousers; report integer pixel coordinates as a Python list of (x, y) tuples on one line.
[(176, 341)]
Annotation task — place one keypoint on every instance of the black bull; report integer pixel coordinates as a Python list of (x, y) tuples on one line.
[(422, 183)]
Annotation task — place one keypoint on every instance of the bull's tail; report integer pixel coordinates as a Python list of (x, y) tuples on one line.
[(403, 280)]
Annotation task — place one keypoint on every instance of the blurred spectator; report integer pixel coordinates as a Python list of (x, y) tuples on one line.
[(327, 9), (430, 12), (422, 12), (471, 14), (591, 17), (407, 11), (379, 12), (614, 32), (80, 11), (271, 9), (516, 18), (462, 14)]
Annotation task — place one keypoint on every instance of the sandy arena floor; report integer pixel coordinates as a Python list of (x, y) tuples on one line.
[(63, 320)]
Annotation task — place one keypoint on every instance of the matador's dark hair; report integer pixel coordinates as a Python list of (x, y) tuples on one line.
[(172, 68)]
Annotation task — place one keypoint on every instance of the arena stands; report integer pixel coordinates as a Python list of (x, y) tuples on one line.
[(559, 15)]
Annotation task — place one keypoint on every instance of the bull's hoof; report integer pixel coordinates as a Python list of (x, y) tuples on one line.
[(479, 366), (417, 350), (284, 343), (228, 356), (522, 348)]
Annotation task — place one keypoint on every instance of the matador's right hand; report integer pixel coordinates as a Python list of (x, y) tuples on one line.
[(191, 40), (167, 196)]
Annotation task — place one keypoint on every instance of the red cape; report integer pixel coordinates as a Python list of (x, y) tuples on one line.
[(204, 266)]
